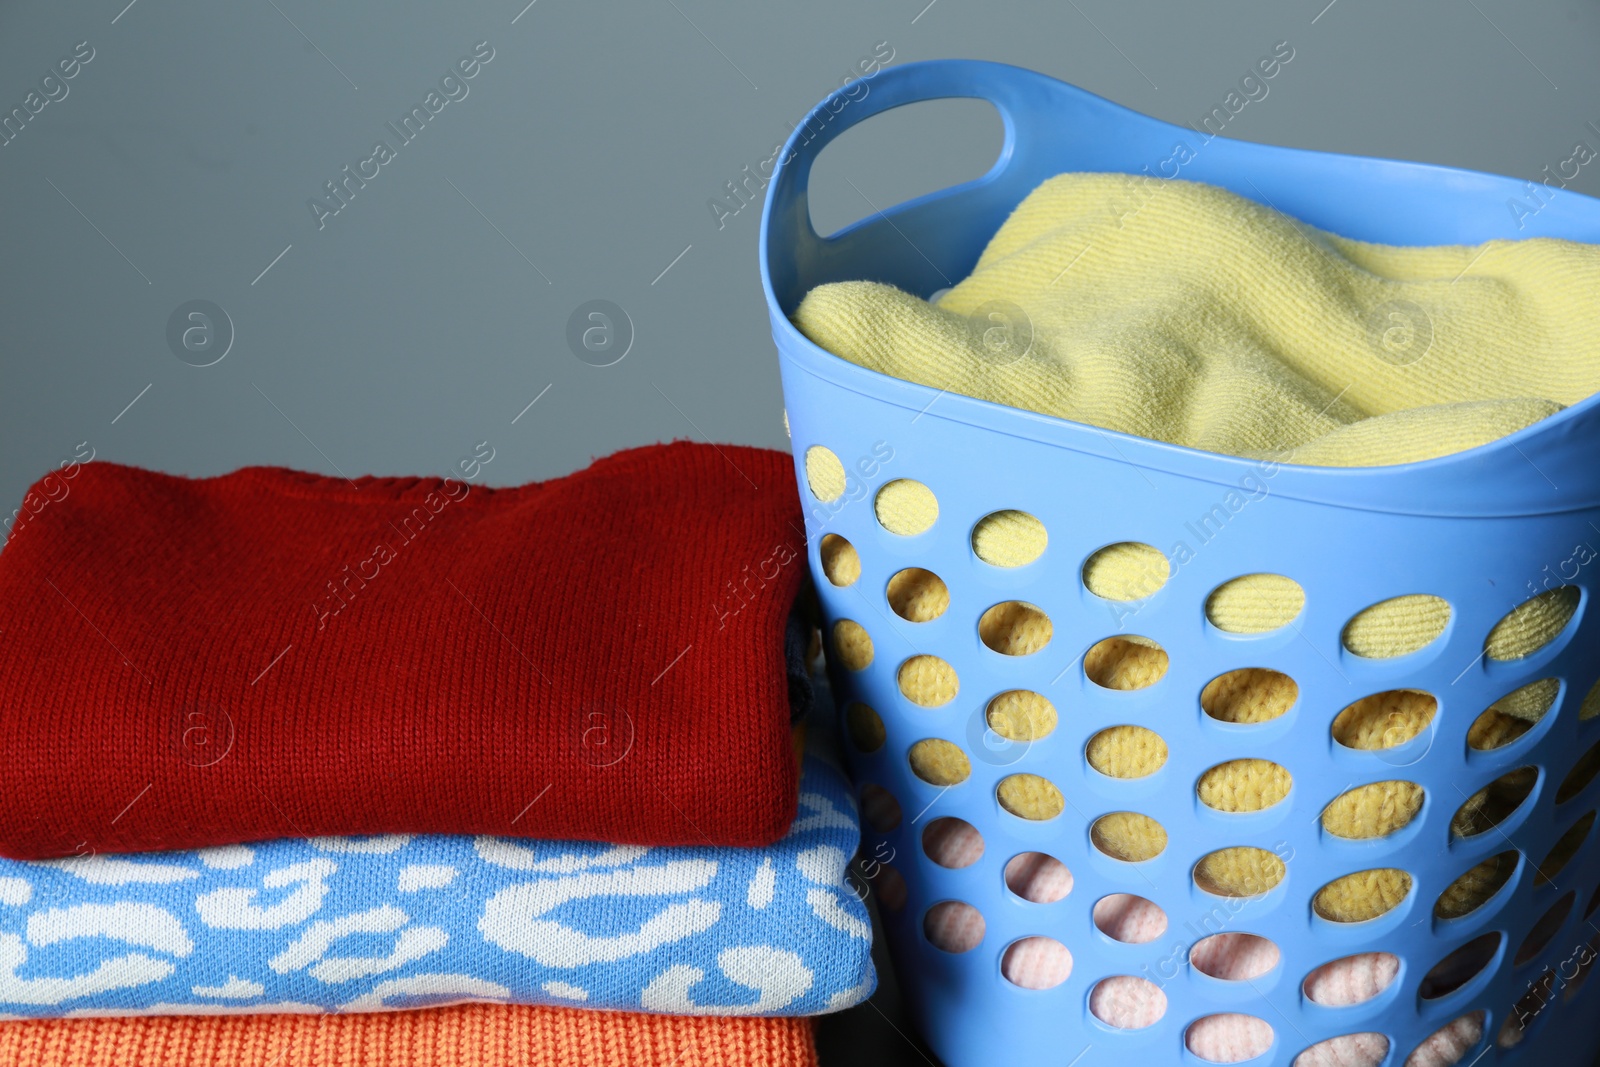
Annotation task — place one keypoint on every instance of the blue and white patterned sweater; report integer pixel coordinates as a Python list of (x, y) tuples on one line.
[(379, 923)]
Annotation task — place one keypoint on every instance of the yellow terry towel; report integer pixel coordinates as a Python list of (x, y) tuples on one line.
[(1181, 312)]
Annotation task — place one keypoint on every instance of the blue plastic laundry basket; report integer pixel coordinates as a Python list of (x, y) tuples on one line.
[(1480, 529)]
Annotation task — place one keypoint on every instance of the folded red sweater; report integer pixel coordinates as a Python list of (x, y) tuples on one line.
[(195, 662)]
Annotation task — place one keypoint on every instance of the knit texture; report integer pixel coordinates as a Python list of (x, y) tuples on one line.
[(365, 924), (1181, 312), (268, 654), (474, 1035)]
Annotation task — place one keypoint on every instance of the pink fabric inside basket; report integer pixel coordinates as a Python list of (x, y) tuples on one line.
[(1128, 1002)]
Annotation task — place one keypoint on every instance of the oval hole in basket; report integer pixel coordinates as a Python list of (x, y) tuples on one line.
[(1009, 539), (1365, 1049), (1377, 809), (953, 843), (953, 926), (1495, 729), (1229, 1037), (1494, 803), (865, 727), (1129, 570), (1398, 626), (917, 595), (1586, 961), (890, 885), (852, 644), (1255, 604), (1384, 720), (1127, 1003), (1582, 773), (1362, 896), (1036, 963), (1527, 1009), (928, 681), (1244, 785), (1013, 628), (1532, 625), (1477, 886), (1021, 715), (1028, 796), (1461, 966), (1126, 752), (1513, 715), (906, 507), (1129, 836), (1449, 1044), (1125, 662), (824, 474), (1240, 871), (1037, 877), (1133, 920), (879, 808), (1563, 850), (840, 561), (938, 762), (1234, 957), (1249, 695), (1549, 923), (1344, 983)]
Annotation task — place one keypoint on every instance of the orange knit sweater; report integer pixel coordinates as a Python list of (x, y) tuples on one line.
[(469, 1035)]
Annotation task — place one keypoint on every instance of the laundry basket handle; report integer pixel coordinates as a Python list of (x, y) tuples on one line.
[(793, 252)]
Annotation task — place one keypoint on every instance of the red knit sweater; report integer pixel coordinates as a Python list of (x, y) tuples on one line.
[(268, 653)]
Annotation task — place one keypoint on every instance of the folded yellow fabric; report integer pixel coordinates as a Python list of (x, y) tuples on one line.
[(1183, 313)]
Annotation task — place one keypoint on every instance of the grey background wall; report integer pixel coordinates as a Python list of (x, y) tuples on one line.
[(427, 313), (583, 162)]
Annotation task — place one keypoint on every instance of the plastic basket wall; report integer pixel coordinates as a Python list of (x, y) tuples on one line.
[(1482, 530)]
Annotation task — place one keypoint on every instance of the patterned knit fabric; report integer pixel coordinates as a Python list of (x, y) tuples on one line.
[(472, 1035), (271, 654), (365, 924)]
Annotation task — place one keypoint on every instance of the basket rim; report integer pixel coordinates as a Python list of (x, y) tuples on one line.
[(1345, 487)]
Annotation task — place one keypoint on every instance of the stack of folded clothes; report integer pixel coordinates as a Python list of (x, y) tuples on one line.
[(287, 754)]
